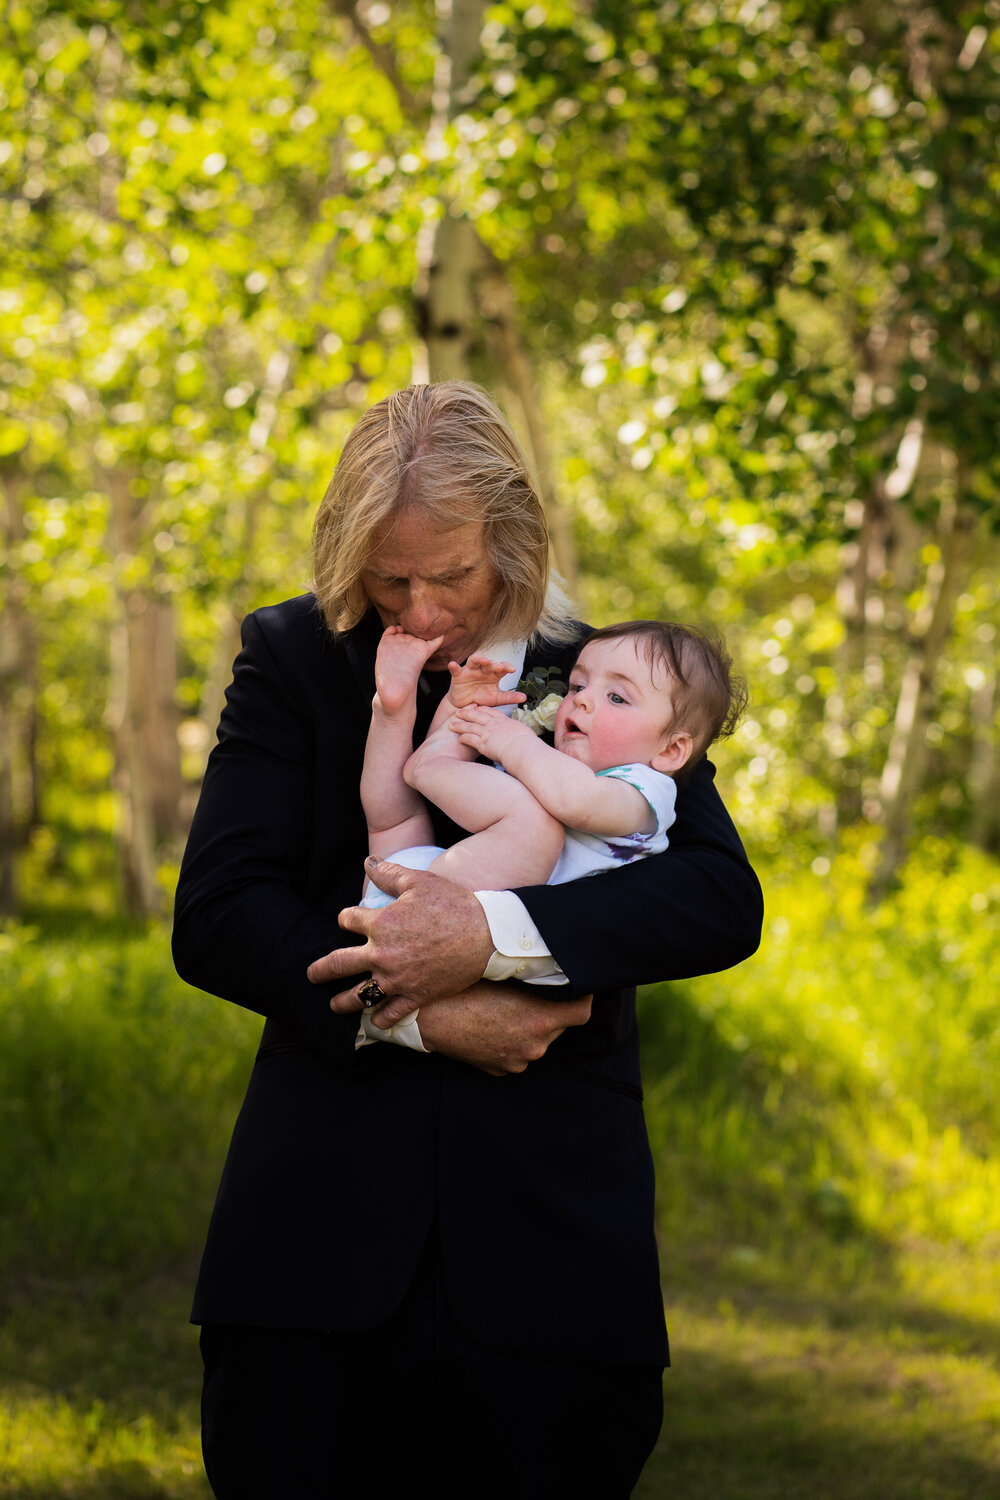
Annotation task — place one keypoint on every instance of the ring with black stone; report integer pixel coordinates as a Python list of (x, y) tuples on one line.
[(371, 993)]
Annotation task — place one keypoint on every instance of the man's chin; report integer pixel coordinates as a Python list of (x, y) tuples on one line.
[(460, 652)]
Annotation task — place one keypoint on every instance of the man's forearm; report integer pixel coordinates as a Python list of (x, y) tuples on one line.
[(498, 1028)]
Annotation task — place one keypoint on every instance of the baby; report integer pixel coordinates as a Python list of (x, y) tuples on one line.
[(645, 700)]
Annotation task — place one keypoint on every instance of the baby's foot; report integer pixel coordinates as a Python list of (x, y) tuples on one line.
[(399, 661), (479, 682)]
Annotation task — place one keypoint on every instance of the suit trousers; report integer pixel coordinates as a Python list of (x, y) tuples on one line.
[(417, 1407)]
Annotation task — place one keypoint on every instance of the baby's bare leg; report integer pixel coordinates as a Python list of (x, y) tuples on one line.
[(514, 840), (396, 815)]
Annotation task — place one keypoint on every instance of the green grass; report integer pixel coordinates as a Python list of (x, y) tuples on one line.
[(118, 1089), (100, 1389), (827, 1133)]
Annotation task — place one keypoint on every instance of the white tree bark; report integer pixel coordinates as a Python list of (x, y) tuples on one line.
[(500, 309), (906, 762), (449, 254), (984, 761), (142, 712), (19, 790)]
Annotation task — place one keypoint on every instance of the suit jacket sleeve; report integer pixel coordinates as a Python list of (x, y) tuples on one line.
[(695, 909), (243, 928)]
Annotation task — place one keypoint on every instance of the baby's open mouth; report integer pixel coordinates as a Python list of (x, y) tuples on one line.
[(572, 727)]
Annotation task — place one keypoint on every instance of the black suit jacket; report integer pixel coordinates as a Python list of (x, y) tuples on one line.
[(542, 1182)]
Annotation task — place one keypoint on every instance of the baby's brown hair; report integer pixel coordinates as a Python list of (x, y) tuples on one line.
[(707, 694)]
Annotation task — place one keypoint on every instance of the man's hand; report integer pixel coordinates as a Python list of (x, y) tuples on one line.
[(433, 941), (497, 1027)]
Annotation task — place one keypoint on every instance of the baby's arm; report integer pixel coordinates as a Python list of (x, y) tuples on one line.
[(397, 815), (570, 791)]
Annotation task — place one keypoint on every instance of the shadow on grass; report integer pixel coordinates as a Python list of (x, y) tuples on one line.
[(97, 1340), (824, 1424), (877, 1308), (743, 1203), (119, 1482), (99, 1385)]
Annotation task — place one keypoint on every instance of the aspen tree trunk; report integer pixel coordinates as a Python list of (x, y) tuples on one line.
[(9, 661), (984, 768), (142, 710), (906, 761), (19, 793), (500, 309), (449, 254), (278, 378), (133, 698), (134, 837), (876, 571), (984, 762), (457, 279), (859, 598), (8, 826), (153, 691)]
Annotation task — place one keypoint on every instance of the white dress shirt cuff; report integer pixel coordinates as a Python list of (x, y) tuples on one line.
[(521, 951), (404, 1033)]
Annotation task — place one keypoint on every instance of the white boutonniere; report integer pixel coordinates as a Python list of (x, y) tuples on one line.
[(544, 691)]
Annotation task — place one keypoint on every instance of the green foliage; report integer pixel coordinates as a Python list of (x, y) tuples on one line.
[(749, 245), (844, 1076), (118, 1088)]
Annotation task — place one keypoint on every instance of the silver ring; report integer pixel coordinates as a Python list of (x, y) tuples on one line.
[(371, 993)]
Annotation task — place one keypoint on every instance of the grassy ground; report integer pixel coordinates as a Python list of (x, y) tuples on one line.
[(99, 1390), (774, 1393), (827, 1133)]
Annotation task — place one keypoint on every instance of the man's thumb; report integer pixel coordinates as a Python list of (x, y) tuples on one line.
[(393, 879)]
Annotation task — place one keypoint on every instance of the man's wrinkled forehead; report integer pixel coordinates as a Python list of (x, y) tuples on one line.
[(416, 537)]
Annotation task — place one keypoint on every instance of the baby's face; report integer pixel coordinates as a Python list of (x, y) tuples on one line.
[(617, 710)]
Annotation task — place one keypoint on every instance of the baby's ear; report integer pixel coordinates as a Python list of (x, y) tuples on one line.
[(674, 753)]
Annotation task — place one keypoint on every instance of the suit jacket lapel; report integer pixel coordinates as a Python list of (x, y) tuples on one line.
[(360, 645)]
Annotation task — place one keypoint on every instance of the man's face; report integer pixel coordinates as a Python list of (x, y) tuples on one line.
[(617, 708), (432, 581)]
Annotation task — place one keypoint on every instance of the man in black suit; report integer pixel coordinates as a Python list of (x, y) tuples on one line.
[(428, 1268)]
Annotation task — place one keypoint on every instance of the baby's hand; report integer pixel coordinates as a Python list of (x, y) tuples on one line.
[(399, 662), (489, 732), (479, 682)]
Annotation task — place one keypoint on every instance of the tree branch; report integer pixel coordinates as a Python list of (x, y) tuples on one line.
[(381, 56)]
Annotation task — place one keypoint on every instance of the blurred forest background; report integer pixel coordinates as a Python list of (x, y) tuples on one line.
[(733, 268)]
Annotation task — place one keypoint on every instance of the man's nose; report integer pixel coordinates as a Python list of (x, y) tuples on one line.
[(421, 616)]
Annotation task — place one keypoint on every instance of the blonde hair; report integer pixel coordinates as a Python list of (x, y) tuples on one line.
[(447, 450)]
